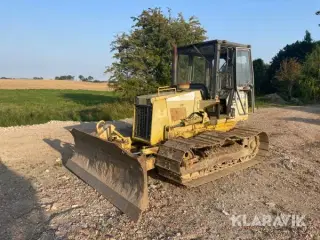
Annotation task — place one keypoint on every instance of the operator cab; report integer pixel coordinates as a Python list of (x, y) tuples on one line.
[(220, 69)]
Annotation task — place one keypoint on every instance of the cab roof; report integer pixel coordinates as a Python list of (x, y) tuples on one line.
[(207, 48)]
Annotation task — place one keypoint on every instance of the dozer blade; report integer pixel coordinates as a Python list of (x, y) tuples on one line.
[(117, 174)]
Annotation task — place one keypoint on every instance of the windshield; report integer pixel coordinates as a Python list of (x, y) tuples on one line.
[(183, 69), (243, 67), (191, 69), (199, 70)]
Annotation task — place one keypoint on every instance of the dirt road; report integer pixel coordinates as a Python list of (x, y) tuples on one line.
[(40, 199)]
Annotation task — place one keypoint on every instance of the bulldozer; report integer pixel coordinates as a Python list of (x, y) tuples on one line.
[(186, 132)]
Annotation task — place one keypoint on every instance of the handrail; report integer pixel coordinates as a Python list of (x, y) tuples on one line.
[(166, 88)]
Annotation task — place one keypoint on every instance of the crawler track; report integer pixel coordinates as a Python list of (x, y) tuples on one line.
[(211, 155)]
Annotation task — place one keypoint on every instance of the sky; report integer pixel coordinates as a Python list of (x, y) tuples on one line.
[(48, 38)]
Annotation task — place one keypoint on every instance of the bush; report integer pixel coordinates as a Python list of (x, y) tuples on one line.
[(309, 89), (309, 84)]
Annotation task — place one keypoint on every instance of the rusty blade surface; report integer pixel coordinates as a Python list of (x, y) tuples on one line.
[(116, 174)]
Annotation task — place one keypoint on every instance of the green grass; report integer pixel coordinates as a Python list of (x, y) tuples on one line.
[(262, 102), (22, 107)]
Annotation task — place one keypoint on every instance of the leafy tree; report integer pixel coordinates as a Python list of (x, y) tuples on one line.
[(310, 81), (290, 72), (64, 77), (261, 81), (298, 50), (69, 77), (81, 77), (84, 79), (143, 56), (307, 37)]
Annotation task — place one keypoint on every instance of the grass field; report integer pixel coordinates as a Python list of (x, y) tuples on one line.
[(22, 107), (33, 106), (52, 84)]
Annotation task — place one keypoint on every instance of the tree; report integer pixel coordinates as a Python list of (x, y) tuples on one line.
[(64, 77), (298, 50), (81, 77), (145, 53), (84, 79), (290, 72), (69, 77), (310, 81), (307, 37), (261, 81)]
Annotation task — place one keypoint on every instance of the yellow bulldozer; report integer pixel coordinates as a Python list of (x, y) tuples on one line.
[(186, 132)]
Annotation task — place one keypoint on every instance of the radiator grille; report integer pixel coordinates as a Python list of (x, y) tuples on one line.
[(143, 121)]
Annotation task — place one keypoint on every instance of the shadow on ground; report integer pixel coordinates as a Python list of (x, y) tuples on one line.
[(21, 215), (64, 148), (304, 120), (306, 108), (88, 99)]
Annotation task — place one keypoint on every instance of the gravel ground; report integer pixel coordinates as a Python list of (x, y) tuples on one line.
[(40, 199)]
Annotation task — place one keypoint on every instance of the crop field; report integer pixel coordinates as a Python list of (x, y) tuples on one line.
[(52, 84), (29, 106)]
